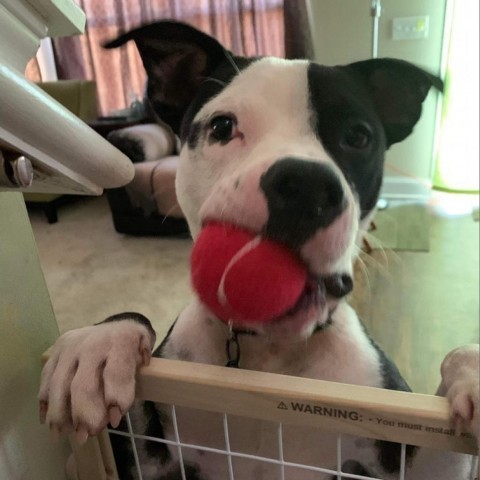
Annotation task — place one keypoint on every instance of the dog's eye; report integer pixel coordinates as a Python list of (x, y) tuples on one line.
[(222, 128), (358, 137)]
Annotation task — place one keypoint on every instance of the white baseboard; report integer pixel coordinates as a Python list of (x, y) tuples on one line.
[(408, 188)]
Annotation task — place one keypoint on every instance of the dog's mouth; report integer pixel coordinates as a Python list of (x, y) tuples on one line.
[(318, 299), (258, 283), (317, 290)]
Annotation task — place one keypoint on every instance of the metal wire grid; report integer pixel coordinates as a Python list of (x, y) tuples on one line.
[(231, 454)]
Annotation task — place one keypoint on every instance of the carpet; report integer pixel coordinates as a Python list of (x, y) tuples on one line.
[(402, 227), (93, 272)]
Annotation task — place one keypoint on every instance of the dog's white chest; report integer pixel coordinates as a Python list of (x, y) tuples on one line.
[(342, 352)]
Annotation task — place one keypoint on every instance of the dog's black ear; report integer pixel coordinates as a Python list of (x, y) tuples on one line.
[(177, 58), (398, 90)]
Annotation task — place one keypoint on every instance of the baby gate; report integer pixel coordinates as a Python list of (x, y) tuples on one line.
[(406, 418)]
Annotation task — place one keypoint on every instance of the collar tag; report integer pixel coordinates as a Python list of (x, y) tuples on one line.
[(233, 348)]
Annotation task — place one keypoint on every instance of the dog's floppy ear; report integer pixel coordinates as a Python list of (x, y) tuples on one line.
[(398, 90), (177, 58)]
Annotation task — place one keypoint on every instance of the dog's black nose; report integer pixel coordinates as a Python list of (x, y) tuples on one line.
[(302, 196)]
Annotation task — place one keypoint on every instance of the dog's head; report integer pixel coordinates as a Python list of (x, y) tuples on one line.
[(288, 149)]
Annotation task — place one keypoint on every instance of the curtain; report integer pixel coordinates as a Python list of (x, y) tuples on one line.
[(298, 36), (457, 166), (246, 27)]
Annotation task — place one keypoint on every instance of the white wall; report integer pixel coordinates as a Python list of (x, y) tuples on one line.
[(342, 32), (27, 329)]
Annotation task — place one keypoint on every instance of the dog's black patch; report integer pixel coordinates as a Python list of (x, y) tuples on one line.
[(338, 104), (359, 110), (210, 87), (191, 473), (133, 148), (391, 377), (158, 352), (122, 453), (122, 447), (355, 468), (389, 453), (176, 58), (154, 428), (183, 354), (194, 135), (397, 90), (136, 317)]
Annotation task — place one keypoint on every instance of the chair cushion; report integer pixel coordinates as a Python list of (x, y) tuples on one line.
[(153, 187)]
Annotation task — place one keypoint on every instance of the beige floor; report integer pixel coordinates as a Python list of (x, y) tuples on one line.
[(93, 272), (416, 305), (420, 305)]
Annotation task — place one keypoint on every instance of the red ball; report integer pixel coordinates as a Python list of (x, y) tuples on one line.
[(244, 278)]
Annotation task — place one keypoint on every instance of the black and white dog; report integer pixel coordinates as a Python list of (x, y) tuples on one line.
[(294, 151)]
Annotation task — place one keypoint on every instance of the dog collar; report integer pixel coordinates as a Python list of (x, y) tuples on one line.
[(324, 326), (233, 345)]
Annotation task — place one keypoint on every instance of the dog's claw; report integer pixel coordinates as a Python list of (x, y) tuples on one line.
[(460, 385), (81, 435), (114, 415), (145, 351), (95, 380), (463, 411), (42, 412), (146, 356)]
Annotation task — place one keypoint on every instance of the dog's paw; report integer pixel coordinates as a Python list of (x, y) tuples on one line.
[(89, 379), (461, 385)]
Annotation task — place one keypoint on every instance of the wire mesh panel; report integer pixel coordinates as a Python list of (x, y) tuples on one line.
[(280, 462), (281, 406)]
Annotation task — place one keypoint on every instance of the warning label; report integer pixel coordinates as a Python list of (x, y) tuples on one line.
[(323, 411), (355, 416)]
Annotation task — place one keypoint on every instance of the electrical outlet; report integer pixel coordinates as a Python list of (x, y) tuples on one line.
[(410, 28)]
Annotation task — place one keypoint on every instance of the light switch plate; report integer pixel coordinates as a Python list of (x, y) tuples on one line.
[(410, 28)]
